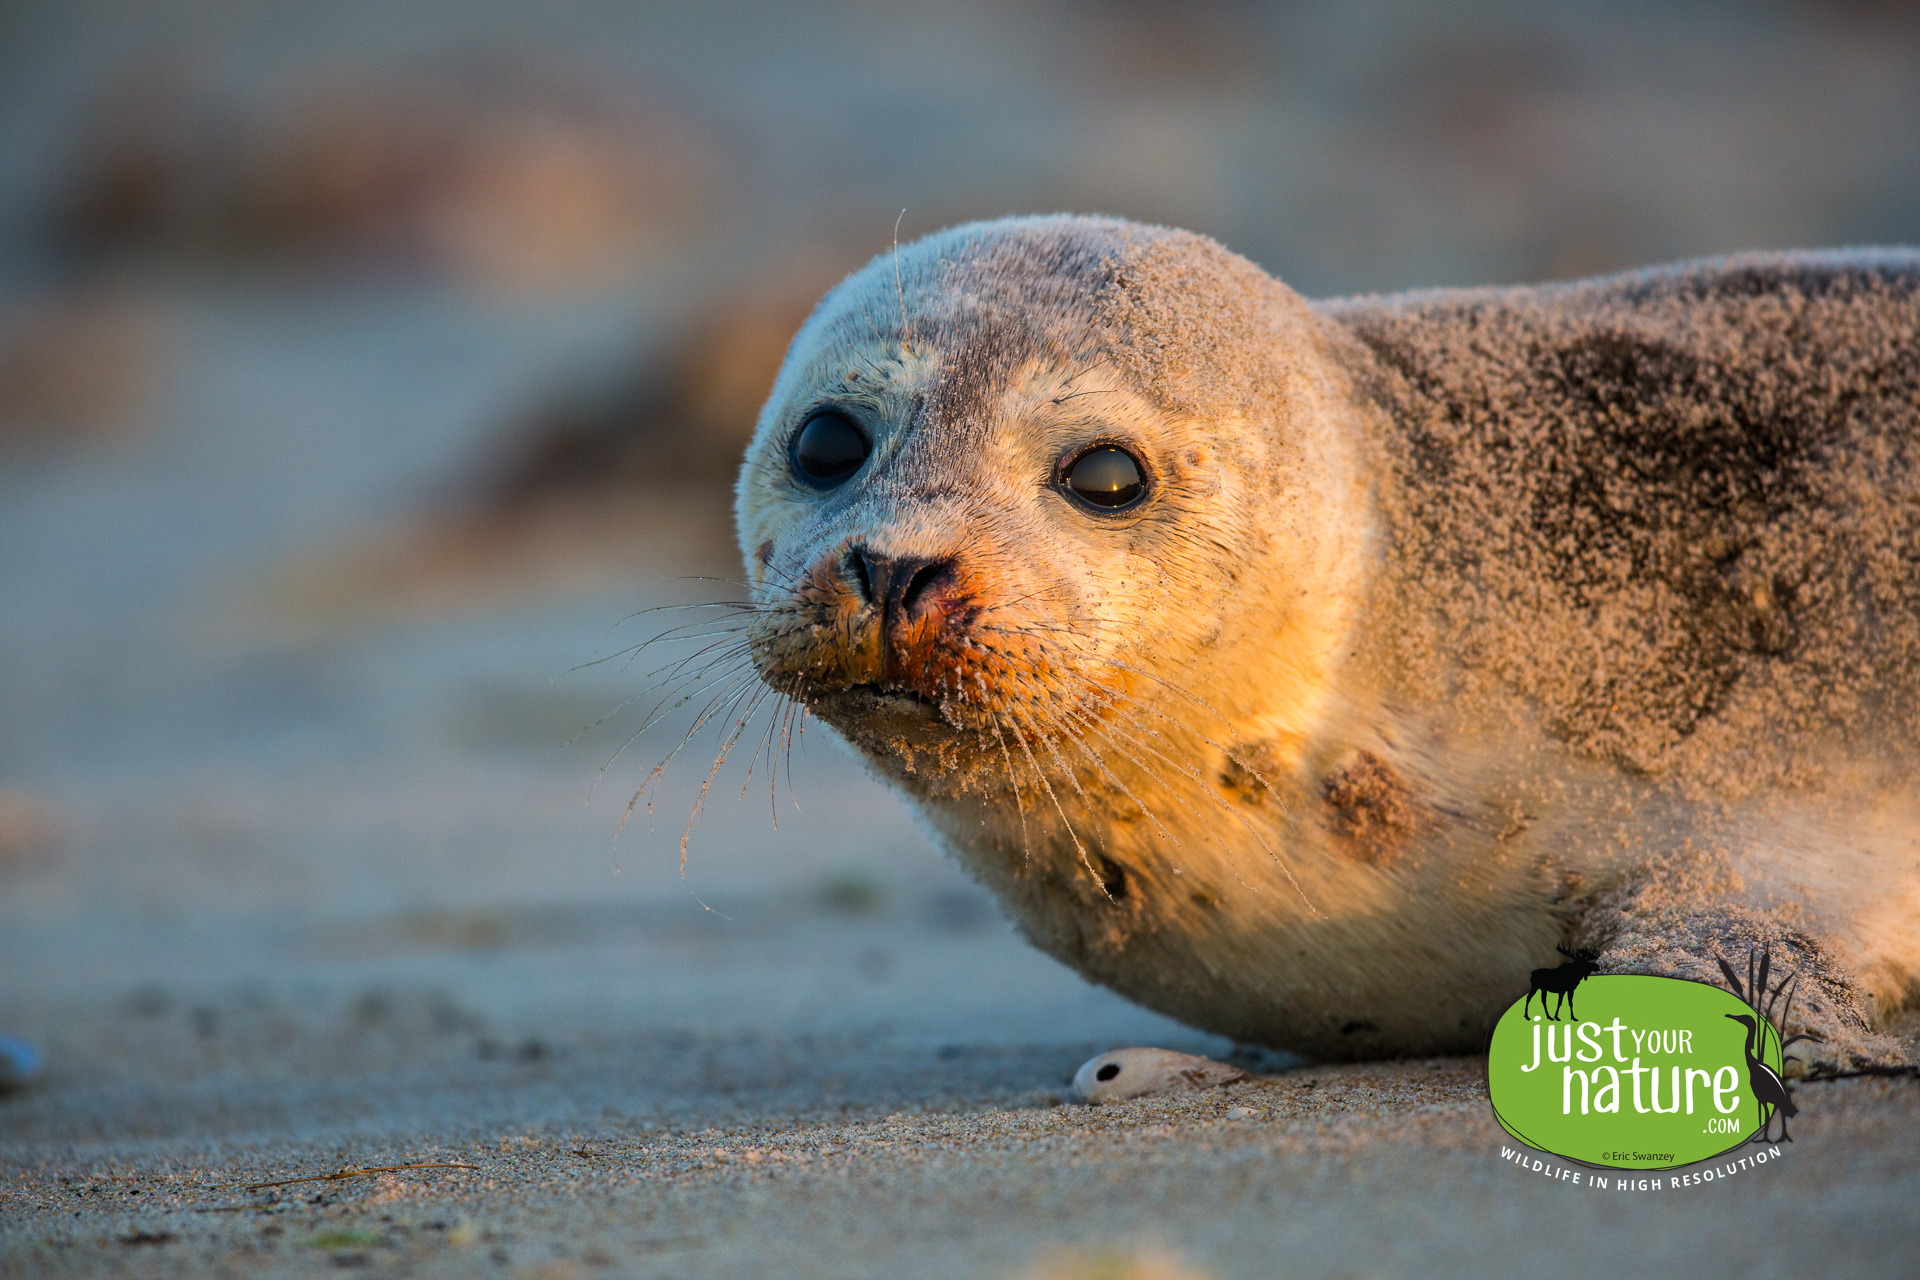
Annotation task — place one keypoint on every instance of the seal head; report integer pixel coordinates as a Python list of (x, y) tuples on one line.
[(1050, 429)]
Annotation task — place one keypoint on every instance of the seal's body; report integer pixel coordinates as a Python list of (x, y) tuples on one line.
[(1310, 672)]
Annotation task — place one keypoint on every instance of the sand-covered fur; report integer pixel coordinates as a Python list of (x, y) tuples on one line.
[(1679, 509), (1449, 623)]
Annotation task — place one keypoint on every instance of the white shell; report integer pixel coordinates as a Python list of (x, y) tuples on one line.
[(1133, 1073)]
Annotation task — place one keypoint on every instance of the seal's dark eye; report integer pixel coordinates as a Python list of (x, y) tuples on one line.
[(827, 449), (1107, 477)]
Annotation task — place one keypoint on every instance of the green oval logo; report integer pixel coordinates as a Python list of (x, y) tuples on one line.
[(1652, 1074)]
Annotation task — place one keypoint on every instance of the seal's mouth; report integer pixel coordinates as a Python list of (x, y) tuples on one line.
[(888, 699), (874, 690), (875, 712)]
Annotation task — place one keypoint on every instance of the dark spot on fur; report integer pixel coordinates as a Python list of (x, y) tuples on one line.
[(1373, 809), (1113, 878), (1359, 1026), (764, 554)]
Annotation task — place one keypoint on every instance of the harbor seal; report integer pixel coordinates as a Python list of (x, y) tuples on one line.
[(1310, 671)]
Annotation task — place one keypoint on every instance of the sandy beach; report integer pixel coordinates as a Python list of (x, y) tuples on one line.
[(799, 1091), (316, 847)]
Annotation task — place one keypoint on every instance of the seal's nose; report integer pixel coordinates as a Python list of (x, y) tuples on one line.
[(867, 617), (904, 587)]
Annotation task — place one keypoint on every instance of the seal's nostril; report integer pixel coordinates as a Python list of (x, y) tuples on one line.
[(923, 577), (856, 565), (898, 585)]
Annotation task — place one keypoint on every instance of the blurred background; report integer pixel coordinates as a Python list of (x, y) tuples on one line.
[(367, 368)]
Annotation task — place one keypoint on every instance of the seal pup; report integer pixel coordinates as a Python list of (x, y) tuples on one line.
[(1310, 672)]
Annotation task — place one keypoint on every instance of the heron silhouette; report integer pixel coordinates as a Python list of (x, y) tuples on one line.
[(1769, 1090)]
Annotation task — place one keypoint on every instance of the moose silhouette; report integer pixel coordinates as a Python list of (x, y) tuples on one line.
[(1561, 981)]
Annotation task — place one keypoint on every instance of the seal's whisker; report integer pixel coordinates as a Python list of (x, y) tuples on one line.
[(1119, 740), (781, 577), (1047, 740), (1033, 767), (1035, 774), (1117, 664), (729, 684), (689, 689), (717, 636), (771, 743), (791, 713), (753, 694), (910, 337), (633, 651), (741, 723), (1200, 783), (1218, 836), (728, 679), (667, 672), (1091, 391), (874, 366), (1111, 698), (1080, 741), (764, 746), (727, 660), (1085, 859), (721, 676), (1225, 749), (745, 605), (723, 670), (714, 577), (1013, 780), (796, 725), (1222, 802), (1083, 372), (1077, 737)]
